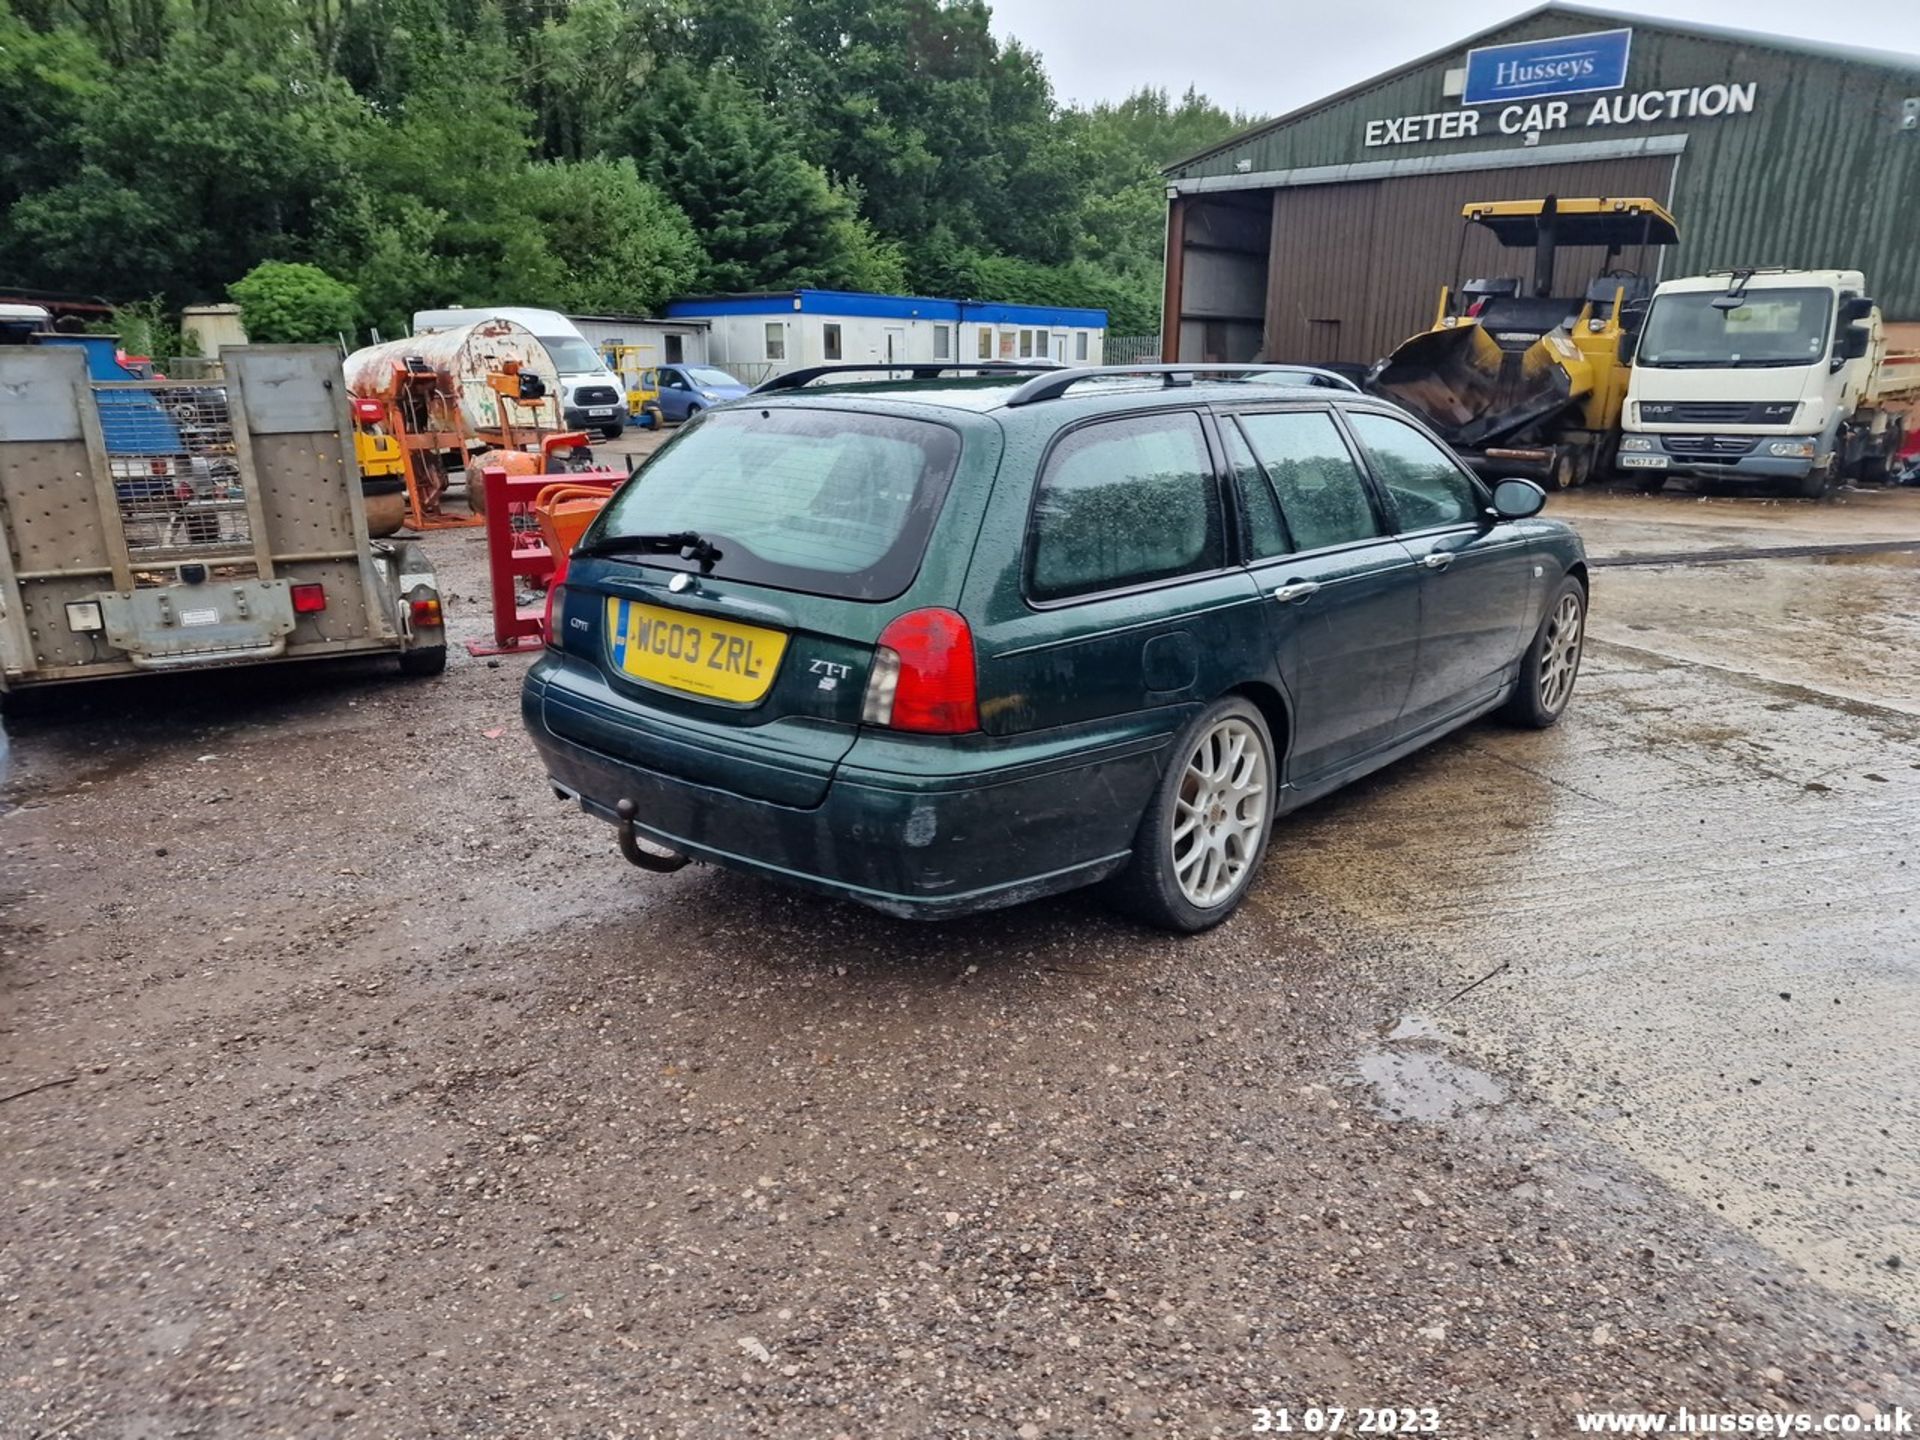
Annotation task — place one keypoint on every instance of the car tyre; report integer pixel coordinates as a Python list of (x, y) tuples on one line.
[(693, 413), (1205, 831), (1552, 661)]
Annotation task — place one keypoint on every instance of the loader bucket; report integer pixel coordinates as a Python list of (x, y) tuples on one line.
[(1469, 389)]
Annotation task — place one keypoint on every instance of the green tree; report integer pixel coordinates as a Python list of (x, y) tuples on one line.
[(292, 304), (621, 245), (765, 215), (187, 171)]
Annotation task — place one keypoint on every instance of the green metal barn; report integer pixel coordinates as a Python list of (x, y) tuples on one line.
[(1325, 235)]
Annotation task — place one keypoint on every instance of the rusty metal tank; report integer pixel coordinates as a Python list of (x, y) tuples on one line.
[(460, 361)]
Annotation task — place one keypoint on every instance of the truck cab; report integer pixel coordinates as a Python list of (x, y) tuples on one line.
[(592, 397), (1781, 378)]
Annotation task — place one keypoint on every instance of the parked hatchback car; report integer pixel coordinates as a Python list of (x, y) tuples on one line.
[(949, 643), (686, 390)]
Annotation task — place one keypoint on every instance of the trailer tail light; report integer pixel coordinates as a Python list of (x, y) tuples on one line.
[(427, 612), (309, 598), (368, 412), (923, 677)]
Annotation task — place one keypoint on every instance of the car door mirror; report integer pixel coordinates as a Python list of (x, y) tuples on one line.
[(1517, 499)]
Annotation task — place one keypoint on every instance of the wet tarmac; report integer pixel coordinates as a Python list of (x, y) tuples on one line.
[(1542, 1071)]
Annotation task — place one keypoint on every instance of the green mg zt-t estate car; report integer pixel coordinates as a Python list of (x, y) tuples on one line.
[(949, 642)]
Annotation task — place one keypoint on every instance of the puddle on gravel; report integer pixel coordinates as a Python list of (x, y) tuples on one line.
[(1419, 1085), (1419, 1027)]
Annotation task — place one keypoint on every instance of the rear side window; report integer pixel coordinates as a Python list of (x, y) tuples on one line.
[(828, 502), (1125, 502), (1426, 484), (1322, 494)]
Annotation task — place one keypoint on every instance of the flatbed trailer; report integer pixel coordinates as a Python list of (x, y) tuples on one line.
[(165, 525)]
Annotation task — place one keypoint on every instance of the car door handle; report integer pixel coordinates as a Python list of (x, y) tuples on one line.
[(1437, 559), (1296, 590)]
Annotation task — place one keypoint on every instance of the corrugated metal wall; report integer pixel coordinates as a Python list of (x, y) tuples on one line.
[(1357, 268), (1819, 175)]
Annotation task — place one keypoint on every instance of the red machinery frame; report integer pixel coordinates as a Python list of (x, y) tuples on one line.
[(517, 551)]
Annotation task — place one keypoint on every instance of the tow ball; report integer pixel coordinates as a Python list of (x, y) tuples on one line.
[(644, 853)]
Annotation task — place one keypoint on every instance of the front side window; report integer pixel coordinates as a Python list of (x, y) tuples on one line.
[(1426, 484), (1125, 502), (1322, 493), (823, 502), (830, 341), (776, 340)]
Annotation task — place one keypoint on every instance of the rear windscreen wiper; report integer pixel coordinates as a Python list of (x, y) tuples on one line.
[(687, 544)]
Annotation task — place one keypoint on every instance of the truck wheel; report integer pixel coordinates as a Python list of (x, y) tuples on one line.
[(1205, 831), (1814, 483), (423, 660)]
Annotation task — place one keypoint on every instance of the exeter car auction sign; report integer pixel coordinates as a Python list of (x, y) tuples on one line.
[(1527, 80)]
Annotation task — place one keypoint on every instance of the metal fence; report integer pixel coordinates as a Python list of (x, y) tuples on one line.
[(1133, 350)]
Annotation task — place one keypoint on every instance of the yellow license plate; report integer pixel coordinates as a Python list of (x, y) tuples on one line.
[(695, 653)]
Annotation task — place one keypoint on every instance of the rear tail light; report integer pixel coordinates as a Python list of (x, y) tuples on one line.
[(923, 676), (427, 612), (555, 616), (309, 598)]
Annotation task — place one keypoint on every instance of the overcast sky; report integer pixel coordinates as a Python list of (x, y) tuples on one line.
[(1271, 56)]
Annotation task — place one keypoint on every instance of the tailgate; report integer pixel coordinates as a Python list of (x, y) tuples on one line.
[(721, 685)]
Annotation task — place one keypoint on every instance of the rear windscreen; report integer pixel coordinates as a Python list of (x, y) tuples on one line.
[(828, 502)]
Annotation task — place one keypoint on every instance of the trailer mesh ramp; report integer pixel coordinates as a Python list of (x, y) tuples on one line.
[(176, 474)]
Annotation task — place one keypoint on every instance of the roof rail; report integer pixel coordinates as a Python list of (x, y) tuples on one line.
[(919, 369), (1053, 386)]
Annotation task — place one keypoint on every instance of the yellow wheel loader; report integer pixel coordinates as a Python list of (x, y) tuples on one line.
[(1521, 380)]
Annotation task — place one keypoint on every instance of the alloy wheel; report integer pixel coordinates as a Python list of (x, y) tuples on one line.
[(1560, 656), (1220, 813)]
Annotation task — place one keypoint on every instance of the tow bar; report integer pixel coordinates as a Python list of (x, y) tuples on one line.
[(644, 853)]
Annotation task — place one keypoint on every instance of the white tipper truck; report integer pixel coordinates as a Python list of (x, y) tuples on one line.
[(1781, 378)]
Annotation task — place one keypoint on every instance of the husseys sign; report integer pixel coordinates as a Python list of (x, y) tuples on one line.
[(1531, 76)]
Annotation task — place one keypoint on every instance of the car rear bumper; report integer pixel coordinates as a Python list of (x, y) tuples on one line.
[(912, 828)]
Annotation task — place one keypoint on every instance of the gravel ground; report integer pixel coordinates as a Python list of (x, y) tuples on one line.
[(386, 1101)]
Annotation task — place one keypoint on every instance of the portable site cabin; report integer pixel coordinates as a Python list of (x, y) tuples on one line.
[(760, 335), (661, 341)]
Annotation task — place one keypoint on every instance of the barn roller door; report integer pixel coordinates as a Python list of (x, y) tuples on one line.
[(1355, 268)]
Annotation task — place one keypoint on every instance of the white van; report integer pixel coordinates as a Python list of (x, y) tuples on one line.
[(591, 397)]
